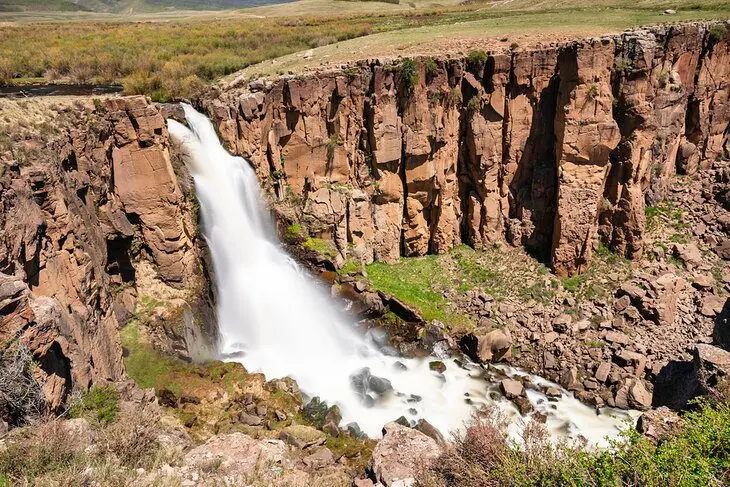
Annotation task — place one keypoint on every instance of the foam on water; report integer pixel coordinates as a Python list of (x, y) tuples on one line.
[(274, 320)]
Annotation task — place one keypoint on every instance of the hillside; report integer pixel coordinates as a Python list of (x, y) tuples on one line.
[(125, 6)]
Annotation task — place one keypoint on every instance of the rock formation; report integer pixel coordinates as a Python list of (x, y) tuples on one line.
[(83, 199), (552, 148)]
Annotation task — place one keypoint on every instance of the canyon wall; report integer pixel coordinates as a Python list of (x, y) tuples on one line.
[(92, 216), (553, 148)]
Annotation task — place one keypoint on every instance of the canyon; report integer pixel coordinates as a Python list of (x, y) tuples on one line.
[(556, 150)]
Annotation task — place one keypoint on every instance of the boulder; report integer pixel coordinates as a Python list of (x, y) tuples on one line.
[(492, 346), (657, 424), (604, 368), (239, 458), (660, 302), (721, 332), (302, 436), (430, 430), (712, 365), (402, 451), (689, 254), (511, 388), (369, 387), (711, 306), (632, 394), (321, 458)]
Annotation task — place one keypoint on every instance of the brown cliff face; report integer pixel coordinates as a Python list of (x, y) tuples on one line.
[(84, 195), (551, 148)]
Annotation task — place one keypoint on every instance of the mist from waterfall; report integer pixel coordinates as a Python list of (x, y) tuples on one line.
[(274, 320)]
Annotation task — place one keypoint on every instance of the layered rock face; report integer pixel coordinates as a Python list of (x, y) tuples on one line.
[(551, 148), (84, 195)]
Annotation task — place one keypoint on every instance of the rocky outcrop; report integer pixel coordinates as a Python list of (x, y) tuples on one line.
[(553, 148), (84, 196), (401, 454)]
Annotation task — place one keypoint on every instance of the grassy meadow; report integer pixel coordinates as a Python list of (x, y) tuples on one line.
[(175, 57)]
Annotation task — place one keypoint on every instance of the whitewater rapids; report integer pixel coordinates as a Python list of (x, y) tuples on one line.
[(274, 320)]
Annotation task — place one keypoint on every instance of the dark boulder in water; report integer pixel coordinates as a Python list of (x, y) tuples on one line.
[(368, 386)]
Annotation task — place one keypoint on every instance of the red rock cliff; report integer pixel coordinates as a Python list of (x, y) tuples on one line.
[(86, 191), (551, 148)]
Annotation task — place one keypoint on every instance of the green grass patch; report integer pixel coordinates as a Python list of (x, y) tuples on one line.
[(320, 245), (574, 283), (99, 405), (666, 213), (416, 282), (350, 267)]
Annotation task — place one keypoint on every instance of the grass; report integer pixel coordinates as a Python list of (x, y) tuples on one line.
[(424, 282), (176, 57), (664, 212), (322, 246), (98, 404), (415, 281)]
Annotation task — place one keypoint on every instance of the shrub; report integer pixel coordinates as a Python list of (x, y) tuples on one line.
[(45, 449), (716, 33), (332, 144), (21, 396), (6, 74), (99, 404), (622, 63), (409, 72), (698, 453), (133, 440), (477, 59), (593, 91), (431, 67), (475, 103), (455, 97)]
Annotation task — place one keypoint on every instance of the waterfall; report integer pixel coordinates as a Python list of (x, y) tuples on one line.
[(273, 319)]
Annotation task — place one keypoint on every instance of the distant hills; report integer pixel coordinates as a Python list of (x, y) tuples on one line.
[(125, 6)]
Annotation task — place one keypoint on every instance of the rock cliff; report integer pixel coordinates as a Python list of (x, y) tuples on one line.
[(87, 194), (553, 148)]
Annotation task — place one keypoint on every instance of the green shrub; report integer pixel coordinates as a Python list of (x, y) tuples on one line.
[(716, 33), (593, 91), (431, 67), (332, 144), (455, 97), (477, 59), (409, 72), (99, 404), (622, 63)]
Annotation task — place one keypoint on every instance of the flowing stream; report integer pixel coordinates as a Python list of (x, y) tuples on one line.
[(273, 319)]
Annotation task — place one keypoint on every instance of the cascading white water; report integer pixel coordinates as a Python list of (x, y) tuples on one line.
[(274, 320)]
